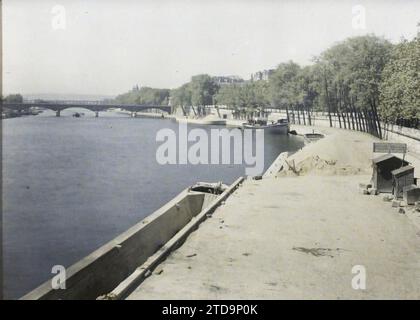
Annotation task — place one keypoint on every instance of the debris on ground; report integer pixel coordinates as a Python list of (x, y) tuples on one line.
[(395, 203)]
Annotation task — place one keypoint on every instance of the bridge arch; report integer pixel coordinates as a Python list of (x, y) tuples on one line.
[(166, 109), (58, 110), (88, 105)]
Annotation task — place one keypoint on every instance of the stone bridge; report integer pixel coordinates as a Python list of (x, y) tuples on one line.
[(94, 106)]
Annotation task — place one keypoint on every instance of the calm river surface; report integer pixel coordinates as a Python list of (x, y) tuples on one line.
[(72, 184)]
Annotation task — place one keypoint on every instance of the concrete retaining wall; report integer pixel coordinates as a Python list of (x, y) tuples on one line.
[(409, 136), (105, 268), (392, 133), (211, 202)]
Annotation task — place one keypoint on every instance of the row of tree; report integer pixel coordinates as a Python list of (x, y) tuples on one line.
[(12, 98), (400, 85), (362, 81), (199, 92), (145, 95)]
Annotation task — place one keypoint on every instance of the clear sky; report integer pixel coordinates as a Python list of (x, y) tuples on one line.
[(105, 47)]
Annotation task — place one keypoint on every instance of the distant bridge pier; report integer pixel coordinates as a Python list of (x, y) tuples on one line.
[(96, 114), (57, 113)]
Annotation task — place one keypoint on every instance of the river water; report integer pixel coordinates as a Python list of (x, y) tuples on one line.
[(72, 184)]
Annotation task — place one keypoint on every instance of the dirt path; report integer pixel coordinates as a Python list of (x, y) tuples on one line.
[(298, 237)]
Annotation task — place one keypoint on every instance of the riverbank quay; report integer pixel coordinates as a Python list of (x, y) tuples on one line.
[(392, 133), (111, 270), (8, 113), (211, 120), (345, 140), (299, 235)]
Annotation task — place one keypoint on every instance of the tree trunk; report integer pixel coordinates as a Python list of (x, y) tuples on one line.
[(362, 122), (344, 118), (373, 121), (357, 120), (303, 115), (357, 115), (351, 113), (298, 113), (366, 122), (340, 105), (293, 113), (369, 121), (337, 105), (375, 112), (309, 116), (352, 121), (327, 98), (339, 118), (374, 124)]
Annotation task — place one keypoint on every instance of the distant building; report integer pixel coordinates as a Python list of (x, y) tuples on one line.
[(262, 75), (136, 88), (226, 80)]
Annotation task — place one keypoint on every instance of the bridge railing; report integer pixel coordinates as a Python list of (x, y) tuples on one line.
[(96, 106), (72, 102), (86, 103)]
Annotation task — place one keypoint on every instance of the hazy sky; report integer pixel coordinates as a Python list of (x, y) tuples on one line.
[(108, 46)]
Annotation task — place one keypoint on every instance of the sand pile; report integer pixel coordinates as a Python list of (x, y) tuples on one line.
[(341, 153)]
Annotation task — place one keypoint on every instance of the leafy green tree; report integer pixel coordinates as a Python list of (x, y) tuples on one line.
[(284, 87), (352, 72), (145, 95), (307, 91), (181, 97), (128, 97), (247, 100), (203, 88), (400, 86), (13, 98), (152, 96), (228, 96), (353, 79)]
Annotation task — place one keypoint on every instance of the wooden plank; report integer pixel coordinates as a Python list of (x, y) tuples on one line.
[(277, 165), (136, 278), (389, 147)]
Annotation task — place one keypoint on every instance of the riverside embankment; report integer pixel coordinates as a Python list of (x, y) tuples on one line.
[(292, 235), (79, 204), (299, 236)]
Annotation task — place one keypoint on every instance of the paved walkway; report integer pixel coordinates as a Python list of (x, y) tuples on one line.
[(298, 237), (294, 237), (412, 157)]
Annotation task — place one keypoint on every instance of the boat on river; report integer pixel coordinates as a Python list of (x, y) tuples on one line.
[(279, 127), (312, 137), (208, 120)]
